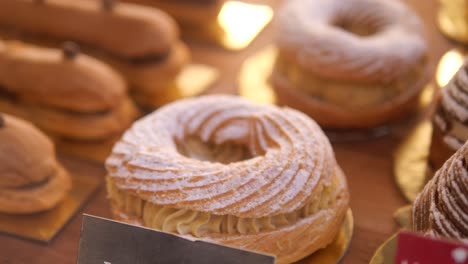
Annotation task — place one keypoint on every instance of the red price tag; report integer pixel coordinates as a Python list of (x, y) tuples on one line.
[(416, 249)]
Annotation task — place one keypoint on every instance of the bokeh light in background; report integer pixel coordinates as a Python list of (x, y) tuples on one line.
[(242, 22), (448, 66)]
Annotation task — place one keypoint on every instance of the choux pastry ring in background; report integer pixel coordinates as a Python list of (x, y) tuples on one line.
[(142, 43), (349, 64), (219, 168), (31, 178)]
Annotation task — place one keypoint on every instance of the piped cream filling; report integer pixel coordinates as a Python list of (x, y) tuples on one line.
[(351, 95), (199, 224)]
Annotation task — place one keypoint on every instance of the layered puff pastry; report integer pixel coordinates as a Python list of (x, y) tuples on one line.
[(80, 102), (450, 122), (142, 43), (221, 169), (441, 209), (31, 178), (353, 64)]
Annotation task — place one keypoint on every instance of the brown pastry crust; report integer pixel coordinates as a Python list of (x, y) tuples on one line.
[(32, 180), (96, 151), (78, 126), (439, 152), (76, 98), (20, 139), (149, 101), (148, 61), (154, 80), (188, 13), (441, 209), (36, 198), (126, 30), (289, 243), (222, 169), (44, 76), (332, 116), (294, 242), (79, 98), (362, 41), (352, 49)]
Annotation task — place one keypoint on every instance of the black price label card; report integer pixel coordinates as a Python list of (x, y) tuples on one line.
[(105, 241)]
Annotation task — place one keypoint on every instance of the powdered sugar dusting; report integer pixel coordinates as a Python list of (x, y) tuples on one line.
[(308, 30), (454, 99), (295, 158), (453, 108)]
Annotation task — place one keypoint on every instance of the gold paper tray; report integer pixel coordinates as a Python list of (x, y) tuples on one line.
[(337, 249), (452, 19), (403, 216), (411, 169), (411, 161), (45, 226), (385, 254)]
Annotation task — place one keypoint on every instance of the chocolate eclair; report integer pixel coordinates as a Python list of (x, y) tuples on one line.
[(31, 178), (441, 209), (75, 98), (142, 43), (450, 122)]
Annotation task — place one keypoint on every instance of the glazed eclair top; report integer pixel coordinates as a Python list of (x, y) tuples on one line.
[(59, 79), (125, 30)]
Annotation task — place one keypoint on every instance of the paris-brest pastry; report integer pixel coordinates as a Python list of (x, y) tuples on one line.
[(349, 64), (31, 178), (450, 122), (142, 43), (441, 209), (79, 101), (222, 169)]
